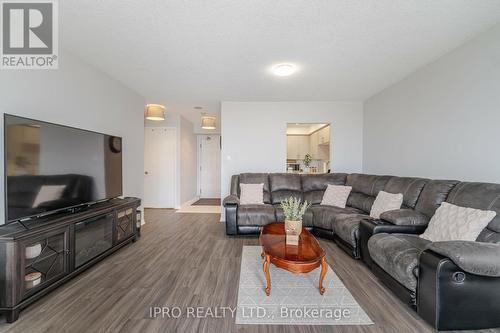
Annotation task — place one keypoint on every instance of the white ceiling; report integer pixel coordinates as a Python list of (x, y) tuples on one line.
[(186, 53)]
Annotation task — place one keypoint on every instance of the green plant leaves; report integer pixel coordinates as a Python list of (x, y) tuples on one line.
[(294, 209)]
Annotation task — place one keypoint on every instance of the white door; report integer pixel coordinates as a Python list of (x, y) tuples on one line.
[(160, 155), (209, 166)]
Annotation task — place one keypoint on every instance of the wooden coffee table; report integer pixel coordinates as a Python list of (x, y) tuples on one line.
[(302, 258)]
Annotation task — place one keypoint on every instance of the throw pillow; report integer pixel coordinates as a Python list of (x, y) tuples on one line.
[(453, 223), (385, 202), (48, 193), (336, 195), (251, 194)]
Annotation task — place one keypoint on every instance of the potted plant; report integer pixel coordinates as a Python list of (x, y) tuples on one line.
[(293, 209), (307, 161)]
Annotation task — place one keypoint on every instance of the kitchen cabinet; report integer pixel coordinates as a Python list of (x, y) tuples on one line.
[(324, 135), (297, 146), (313, 145), (291, 146)]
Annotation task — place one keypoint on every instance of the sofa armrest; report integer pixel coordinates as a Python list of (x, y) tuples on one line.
[(231, 204), (231, 200), (473, 257), (370, 227), (449, 298), (405, 217)]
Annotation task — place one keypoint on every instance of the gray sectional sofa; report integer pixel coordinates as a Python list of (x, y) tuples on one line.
[(452, 285)]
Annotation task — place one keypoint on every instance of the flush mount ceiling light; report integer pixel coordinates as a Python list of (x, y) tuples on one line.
[(155, 112), (284, 69), (207, 122)]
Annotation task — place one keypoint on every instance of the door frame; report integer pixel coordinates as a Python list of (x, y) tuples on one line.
[(199, 139)]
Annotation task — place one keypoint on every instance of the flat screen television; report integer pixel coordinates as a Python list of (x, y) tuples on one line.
[(50, 167)]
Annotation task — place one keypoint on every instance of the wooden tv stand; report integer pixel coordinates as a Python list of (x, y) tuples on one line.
[(38, 255)]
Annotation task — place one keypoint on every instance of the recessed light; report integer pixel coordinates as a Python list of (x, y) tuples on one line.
[(284, 69)]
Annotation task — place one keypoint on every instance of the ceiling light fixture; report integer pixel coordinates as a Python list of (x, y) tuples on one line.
[(155, 112), (208, 122), (284, 69)]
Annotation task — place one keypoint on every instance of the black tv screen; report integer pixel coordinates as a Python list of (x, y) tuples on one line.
[(51, 167)]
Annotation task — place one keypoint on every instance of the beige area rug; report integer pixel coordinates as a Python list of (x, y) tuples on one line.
[(294, 299)]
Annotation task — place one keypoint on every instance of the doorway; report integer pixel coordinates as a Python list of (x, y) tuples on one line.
[(209, 166), (160, 156), (308, 147)]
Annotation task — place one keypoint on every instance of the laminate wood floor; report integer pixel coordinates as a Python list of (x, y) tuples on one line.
[(187, 260)]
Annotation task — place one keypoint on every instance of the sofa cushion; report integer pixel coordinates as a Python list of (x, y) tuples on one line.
[(364, 190), (410, 187), (397, 255), (256, 214), (367, 184), (385, 202), (346, 226), (360, 201), (251, 194), (405, 217), (336, 195), (283, 186), (256, 178), (307, 219), (433, 194), (454, 223), (483, 196), (323, 216), (313, 186)]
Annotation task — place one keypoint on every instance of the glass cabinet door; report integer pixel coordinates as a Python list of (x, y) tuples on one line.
[(125, 224), (45, 259)]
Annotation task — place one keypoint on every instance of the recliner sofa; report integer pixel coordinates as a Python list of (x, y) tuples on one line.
[(452, 285)]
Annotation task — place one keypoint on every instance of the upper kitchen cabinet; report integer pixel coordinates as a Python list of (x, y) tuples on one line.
[(297, 146), (313, 145), (291, 146), (324, 135)]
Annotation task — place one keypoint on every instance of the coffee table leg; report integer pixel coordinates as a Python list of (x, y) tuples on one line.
[(324, 269), (266, 274)]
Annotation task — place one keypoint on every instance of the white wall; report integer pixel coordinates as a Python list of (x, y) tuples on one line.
[(254, 135), (78, 95), (188, 161), (442, 121)]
